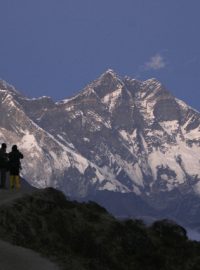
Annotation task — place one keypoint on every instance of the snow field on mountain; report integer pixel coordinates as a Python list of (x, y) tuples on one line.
[(143, 150), (111, 99)]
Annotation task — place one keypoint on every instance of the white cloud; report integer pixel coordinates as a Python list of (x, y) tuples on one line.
[(156, 62)]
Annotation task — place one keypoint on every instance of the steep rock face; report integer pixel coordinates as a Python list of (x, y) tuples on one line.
[(137, 133), (47, 161), (131, 136)]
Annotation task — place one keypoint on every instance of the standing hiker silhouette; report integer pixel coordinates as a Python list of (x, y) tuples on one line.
[(3, 165), (14, 166)]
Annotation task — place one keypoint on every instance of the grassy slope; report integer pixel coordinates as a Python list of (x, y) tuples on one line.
[(84, 236)]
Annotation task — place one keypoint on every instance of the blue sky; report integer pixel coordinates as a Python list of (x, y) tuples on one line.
[(56, 47)]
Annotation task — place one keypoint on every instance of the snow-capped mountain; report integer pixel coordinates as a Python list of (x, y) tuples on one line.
[(117, 134), (47, 161)]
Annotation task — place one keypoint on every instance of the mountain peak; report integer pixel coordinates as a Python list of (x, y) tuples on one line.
[(152, 81), (110, 74), (6, 86), (110, 71), (107, 83)]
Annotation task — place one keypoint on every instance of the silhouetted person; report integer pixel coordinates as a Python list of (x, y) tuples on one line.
[(3, 165), (14, 166)]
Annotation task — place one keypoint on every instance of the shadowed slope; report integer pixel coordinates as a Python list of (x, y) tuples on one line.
[(85, 236), (15, 257)]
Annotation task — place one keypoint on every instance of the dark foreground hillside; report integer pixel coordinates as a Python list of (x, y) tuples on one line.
[(84, 236)]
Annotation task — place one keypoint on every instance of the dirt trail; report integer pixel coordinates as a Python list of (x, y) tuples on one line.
[(15, 257)]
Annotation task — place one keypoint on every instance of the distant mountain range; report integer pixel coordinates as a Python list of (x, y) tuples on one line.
[(119, 136)]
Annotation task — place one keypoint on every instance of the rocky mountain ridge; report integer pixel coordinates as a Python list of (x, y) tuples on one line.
[(46, 159), (118, 134)]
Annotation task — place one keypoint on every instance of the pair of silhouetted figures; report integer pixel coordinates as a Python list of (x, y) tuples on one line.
[(10, 162)]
